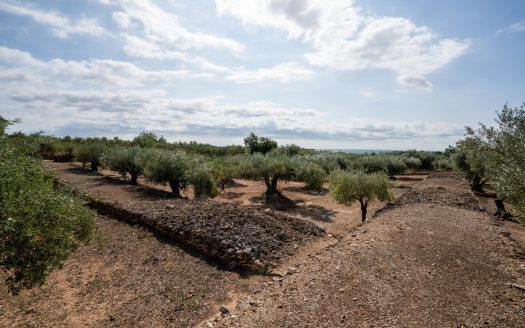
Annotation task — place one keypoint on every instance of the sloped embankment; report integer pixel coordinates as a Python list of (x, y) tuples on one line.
[(437, 195), (236, 234)]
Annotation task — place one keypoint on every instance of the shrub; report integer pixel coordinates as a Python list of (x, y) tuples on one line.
[(347, 187), (39, 226), (124, 161)]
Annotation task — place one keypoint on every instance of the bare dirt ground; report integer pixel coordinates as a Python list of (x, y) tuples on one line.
[(436, 262), (125, 277), (420, 264)]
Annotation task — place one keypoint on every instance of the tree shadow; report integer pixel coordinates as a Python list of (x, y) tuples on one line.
[(306, 190), (231, 194), (314, 212), (408, 178)]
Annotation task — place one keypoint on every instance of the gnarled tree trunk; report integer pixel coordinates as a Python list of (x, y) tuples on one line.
[(175, 187), (364, 206)]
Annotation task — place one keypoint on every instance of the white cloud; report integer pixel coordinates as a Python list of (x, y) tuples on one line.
[(513, 28), (284, 73), (162, 32), (418, 82), (61, 26), (124, 112), (95, 71), (344, 38)]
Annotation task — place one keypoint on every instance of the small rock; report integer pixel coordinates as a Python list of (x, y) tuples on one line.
[(482, 208), (355, 298), (277, 279), (253, 303), (224, 309), (209, 325), (168, 207), (291, 270), (341, 290)]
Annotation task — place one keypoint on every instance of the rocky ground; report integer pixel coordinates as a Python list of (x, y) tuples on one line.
[(428, 263), (433, 258)]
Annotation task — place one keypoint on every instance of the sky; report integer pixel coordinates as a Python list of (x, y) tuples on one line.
[(361, 74)]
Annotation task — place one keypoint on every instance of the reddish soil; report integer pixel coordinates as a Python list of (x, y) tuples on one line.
[(432, 260), (420, 264)]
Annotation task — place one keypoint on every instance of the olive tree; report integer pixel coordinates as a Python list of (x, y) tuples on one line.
[(166, 166), (347, 187), (124, 160), (502, 150), (91, 152), (470, 160), (312, 174), (225, 168), (270, 168), (199, 175), (255, 144)]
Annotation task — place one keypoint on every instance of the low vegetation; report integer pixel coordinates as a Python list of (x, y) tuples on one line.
[(39, 225)]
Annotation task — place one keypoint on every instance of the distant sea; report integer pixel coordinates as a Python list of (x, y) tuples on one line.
[(358, 151)]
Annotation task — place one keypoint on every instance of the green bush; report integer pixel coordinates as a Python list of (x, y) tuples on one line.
[(347, 187), (125, 161), (39, 226)]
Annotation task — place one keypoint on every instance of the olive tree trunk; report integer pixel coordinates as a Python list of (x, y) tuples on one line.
[(175, 187), (364, 207)]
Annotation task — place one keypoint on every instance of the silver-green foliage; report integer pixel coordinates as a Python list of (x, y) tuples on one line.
[(347, 187), (166, 166), (124, 160), (502, 149), (200, 176), (312, 174)]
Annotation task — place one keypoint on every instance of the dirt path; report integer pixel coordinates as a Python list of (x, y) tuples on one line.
[(418, 265), (125, 277)]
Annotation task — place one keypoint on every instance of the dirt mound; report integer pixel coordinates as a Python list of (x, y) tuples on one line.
[(236, 234), (438, 196)]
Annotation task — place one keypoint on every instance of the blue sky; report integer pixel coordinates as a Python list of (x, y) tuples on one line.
[(380, 74)]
